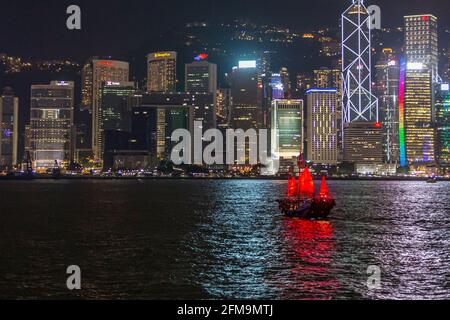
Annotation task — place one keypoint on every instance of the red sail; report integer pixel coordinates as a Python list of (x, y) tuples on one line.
[(306, 184), (292, 187), (324, 191)]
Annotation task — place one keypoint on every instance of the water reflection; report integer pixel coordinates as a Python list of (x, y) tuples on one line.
[(310, 247)]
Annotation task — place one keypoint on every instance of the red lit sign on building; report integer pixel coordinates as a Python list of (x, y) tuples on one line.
[(425, 18), (105, 63)]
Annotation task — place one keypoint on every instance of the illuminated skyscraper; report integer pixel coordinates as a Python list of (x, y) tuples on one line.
[(51, 122), (247, 98), (421, 75), (162, 72), (94, 74), (321, 124), (387, 90), (332, 78), (287, 132), (358, 102), (443, 126), (9, 129)]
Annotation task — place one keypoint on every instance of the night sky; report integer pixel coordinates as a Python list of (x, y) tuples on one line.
[(37, 29)]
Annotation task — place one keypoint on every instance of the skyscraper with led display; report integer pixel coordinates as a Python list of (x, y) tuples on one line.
[(9, 129), (162, 72), (321, 124), (387, 90), (51, 123), (358, 102), (421, 51)]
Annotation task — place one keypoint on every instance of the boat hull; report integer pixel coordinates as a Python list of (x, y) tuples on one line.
[(307, 208)]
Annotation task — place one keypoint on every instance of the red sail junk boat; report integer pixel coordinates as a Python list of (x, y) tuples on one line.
[(301, 200)]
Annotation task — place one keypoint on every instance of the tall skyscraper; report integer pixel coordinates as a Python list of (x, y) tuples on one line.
[(421, 75), (387, 91), (114, 109), (246, 92), (95, 73), (9, 129), (443, 127), (287, 133), (358, 102), (51, 122), (332, 78), (162, 72), (321, 124)]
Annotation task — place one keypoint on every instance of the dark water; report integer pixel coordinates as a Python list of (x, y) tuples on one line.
[(221, 239)]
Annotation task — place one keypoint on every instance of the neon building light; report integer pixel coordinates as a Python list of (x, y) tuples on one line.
[(358, 103), (401, 113)]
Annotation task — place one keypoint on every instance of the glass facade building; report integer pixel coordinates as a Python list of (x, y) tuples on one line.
[(51, 122)]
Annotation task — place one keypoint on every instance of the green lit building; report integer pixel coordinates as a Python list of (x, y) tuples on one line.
[(287, 133), (443, 127)]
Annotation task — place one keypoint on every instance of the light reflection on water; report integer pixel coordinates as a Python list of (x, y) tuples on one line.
[(221, 239)]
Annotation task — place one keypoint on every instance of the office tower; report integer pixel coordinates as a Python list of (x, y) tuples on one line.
[(363, 142), (321, 124), (246, 92), (224, 104), (387, 91), (9, 129), (162, 72), (421, 75), (201, 77), (114, 109), (51, 121), (95, 72), (358, 102), (287, 133), (277, 87), (286, 81), (332, 78), (443, 127)]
